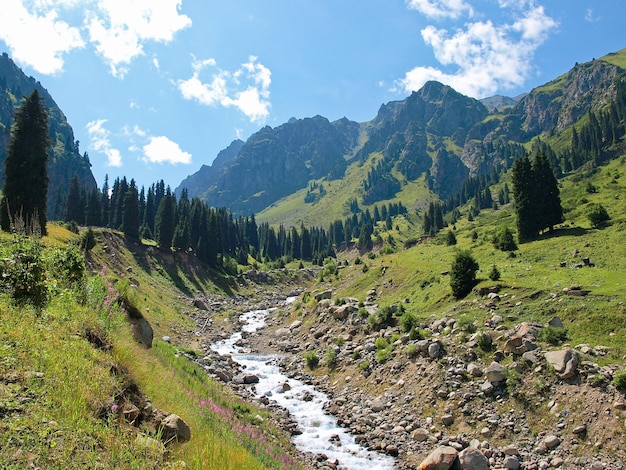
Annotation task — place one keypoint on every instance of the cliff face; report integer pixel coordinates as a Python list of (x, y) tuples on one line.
[(64, 160), (435, 130)]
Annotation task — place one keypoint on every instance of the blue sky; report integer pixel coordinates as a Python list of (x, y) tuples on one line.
[(156, 88)]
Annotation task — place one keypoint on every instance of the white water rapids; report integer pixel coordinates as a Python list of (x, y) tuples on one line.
[(317, 427)]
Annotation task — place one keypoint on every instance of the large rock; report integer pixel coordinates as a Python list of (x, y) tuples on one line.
[(173, 428), (442, 458), (495, 373), (327, 294), (142, 331), (564, 361), (473, 459)]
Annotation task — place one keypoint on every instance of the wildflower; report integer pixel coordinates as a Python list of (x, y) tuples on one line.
[(114, 407)]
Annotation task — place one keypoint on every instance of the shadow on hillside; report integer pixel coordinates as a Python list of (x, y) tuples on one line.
[(564, 232)]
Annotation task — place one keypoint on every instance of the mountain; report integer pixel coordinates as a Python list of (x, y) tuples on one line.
[(274, 163), (435, 134), (65, 160)]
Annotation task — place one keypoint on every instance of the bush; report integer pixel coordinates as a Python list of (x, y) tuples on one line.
[(619, 379), (330, 358), (465, 323), (494, 274), (450, 238), (311, 359), (408, 322), (597, 215), (504, 240), (553, 336), (411, 351), (463, 274), (23, 271), (363, 366)]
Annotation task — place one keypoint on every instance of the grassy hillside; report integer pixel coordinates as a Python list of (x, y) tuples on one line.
[(70, 367), (533, 277)]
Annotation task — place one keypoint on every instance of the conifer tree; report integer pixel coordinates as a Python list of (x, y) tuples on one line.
[(25, 189), (130, 213), (525, 209), (164, 220), (75, 204), (546, 193)]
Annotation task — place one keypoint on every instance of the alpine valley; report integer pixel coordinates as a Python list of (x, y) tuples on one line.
[(389, 266)]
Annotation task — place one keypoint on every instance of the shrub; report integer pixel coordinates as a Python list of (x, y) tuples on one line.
[(485, 343), (450, 238), (551, 335), (465, 323), (411, 351), (408, 322), (67, 264), (382, 355), (494, 274), (597, 215), (330, 358), (23, 271), (504, 240), (619, 379), (463, 274), (363, 366), (311, 359)]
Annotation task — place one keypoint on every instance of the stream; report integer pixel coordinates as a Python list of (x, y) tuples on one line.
[(320, 432)]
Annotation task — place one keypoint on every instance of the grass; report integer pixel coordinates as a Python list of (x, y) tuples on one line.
[(54, 384)]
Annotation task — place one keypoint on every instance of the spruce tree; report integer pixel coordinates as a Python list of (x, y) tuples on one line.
[(75, 204), (165, 219), (25, 189), (523, 190), (130, 212), (546, 193)]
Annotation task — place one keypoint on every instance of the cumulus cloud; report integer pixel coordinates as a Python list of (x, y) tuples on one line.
[(40, 33), (100, 141), (119, 28), (36, 36), (247, 89), (161, 149), (438, 9), (485, 57)]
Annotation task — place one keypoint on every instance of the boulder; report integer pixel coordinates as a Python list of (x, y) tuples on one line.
[(495, 373), (564, 361), (327, 294), (420, 434), (473, 459), (552, 441), (174, 428), (442, 458), (199, 304), (555, 322), (142, 331)]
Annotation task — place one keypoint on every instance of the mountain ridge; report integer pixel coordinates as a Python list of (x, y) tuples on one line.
[(435, 131)]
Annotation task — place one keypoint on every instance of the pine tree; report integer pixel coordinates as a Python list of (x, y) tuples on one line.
[(130, 213), (546, 193), (75, 204), (25, 189), (525, 209), (463, 274), (165, 219)]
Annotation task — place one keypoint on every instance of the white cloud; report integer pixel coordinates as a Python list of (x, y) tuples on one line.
[(439, 9), (100, 142), (485, 57), (590, 16), (118, 28), (37, 37), (40, 32), (161, 149), (247, 89)]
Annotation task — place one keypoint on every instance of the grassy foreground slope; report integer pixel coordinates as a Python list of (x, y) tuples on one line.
[(68, 369)]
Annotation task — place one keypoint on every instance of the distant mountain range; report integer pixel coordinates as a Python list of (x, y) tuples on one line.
[(436, 132), (65, 160)]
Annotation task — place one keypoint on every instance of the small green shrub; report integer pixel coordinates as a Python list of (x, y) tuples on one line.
[(465, 323), (408, 322), (311, 359), (411, 351), (330, 358), (504, 240), (553, 336), (382, 355), (381, 343), (494, 274), (356, 355), (363, 366), (24, 271), (619, 379), (597, 215), (450, 238)]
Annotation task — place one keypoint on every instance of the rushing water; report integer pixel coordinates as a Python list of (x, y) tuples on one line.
[(320, 432)]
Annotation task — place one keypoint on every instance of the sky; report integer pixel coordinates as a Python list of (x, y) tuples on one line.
[(154, 89)]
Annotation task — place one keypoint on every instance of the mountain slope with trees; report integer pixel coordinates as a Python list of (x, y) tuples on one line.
[(65, 161)]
